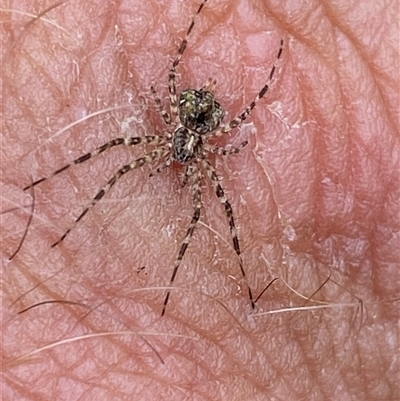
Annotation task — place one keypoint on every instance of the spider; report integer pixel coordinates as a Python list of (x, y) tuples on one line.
[(194, 117)]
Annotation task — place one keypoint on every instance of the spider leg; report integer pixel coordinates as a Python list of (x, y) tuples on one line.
[(229, 214), (154, 155), (149, 140), (172, 72), (186, 177), (196, 175), (224, 151), (161, 167), (242, 116), (210, 85), (160, 106)]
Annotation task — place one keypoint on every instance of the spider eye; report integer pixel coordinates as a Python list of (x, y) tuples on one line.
[(199, 111)]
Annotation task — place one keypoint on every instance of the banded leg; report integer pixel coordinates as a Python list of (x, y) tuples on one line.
[(154, 155), (161, 167), (229, 214), (195, 174), (149, 140), (224, 151), (186, 177), (210, 85), (172, 71), (241, 117), (165, 115)]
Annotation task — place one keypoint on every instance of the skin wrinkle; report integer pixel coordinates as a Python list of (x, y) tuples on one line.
[(52, 80)]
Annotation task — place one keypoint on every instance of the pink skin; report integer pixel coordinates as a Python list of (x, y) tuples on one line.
[(315, 192)]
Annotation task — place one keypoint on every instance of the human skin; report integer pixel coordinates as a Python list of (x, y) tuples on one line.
[(315, 195)]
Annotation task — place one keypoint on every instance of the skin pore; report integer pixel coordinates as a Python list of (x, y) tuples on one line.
[(315, 195)]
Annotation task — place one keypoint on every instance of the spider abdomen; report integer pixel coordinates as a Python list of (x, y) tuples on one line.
[(199, 111), (186, 145)]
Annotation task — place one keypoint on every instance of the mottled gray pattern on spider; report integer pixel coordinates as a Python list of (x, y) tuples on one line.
[(199, 113), (192, 120)]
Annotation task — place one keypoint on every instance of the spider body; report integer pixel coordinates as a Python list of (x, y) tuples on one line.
[(186, 145), (192, 120), (199, 111)]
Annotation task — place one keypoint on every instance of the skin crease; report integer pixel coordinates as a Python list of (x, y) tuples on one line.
[(315, 193)]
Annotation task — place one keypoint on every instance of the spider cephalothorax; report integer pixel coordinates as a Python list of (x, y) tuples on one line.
[(191, 120), (186, 145)]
